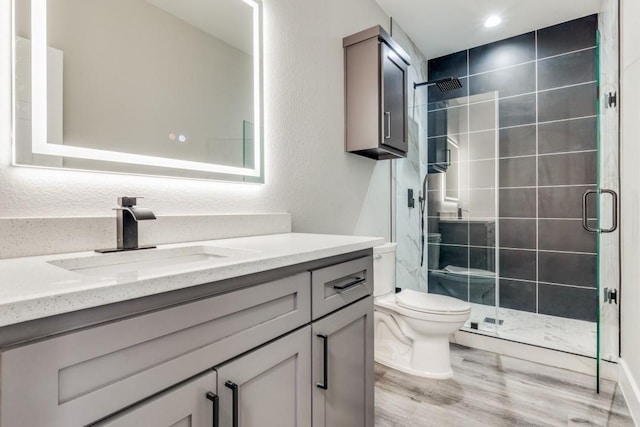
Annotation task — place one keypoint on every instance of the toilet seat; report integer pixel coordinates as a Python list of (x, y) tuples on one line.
[(390, 304), (431, 303)]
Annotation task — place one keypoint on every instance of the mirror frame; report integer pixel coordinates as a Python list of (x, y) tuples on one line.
[(108, 161)]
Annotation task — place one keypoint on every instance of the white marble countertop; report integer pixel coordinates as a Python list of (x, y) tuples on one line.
[(40, 286)]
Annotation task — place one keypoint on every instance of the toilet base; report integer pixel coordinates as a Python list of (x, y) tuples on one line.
[(414, 358), (404, 367)]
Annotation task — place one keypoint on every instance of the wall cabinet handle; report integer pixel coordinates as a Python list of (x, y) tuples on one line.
[(325, 364), (214, 399), (234, 388), (387, 114)]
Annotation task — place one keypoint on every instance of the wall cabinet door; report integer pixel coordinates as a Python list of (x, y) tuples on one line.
[(268, 387), (188, 405), (394, 102), (342, 346)]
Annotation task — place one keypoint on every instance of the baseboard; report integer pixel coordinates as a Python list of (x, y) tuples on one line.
[(630, 391), (532, 353)]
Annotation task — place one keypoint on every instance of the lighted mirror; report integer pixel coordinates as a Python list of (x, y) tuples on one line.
[(162, 87)]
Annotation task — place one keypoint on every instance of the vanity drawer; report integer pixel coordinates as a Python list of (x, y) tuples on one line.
[(335, 286), (81, 377)]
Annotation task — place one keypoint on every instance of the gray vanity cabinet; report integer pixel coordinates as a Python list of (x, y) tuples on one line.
[(343, 367), (269, 386), (251, 355), (376, 114)]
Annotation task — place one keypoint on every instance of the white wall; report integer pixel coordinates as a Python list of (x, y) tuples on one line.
[(307, 171), (630, 197)]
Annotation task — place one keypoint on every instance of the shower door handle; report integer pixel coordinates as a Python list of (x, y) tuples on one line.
[(585, 203), (614, 224)]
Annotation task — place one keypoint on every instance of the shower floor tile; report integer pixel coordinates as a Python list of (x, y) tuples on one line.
[(558, 333)]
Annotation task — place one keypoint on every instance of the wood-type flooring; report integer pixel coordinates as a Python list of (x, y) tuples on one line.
[(488, 389)]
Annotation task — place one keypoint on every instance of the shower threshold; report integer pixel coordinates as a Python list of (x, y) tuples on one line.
[(557, 333)]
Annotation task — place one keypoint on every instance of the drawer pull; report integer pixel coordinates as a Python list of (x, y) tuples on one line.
[(214, 399), (325, 363), (234, 388), (349, 284)]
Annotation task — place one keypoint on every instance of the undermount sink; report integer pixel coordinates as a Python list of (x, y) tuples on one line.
[(148, 261)]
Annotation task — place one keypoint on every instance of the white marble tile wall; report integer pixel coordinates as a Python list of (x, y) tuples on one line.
[(41, 236), (407, 175)]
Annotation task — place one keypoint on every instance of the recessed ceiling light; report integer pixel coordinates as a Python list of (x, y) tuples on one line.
[(492, 21)]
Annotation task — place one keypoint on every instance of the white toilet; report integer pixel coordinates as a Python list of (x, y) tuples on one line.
[(412, 328)]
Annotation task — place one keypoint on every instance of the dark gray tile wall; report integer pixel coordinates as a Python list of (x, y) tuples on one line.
[(546, 160), (517, 141), (566, 136)]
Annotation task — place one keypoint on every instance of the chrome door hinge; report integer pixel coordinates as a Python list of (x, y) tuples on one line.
[(610, 295)]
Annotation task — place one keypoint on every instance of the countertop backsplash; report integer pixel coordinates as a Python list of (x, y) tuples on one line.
[(20, 237)]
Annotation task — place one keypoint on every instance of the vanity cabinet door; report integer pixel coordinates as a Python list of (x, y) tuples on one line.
[(190, 405), (270, 386), (342, 346)]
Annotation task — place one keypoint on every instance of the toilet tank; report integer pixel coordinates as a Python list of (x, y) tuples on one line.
[(384, 269)]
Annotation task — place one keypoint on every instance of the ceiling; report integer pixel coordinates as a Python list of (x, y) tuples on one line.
[(440, 27)]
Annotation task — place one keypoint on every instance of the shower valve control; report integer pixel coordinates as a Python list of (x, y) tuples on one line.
[(610, 295)]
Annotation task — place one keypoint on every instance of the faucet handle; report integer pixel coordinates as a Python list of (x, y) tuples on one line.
[(128, 201)]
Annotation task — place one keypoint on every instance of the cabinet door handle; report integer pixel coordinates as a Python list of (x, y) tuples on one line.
[(349, 284), (387, 114), (214, 399), (325, 364), (234, 388)]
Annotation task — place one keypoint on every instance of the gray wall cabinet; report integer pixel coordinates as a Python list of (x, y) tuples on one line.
[(376, 114), (254, 348)]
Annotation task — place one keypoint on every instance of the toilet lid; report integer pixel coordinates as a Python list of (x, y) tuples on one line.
[(431, 303)]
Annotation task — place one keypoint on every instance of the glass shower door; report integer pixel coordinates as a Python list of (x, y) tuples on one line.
[(608, 237)]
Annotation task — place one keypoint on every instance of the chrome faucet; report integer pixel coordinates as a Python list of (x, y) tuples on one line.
[(127, 217)]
